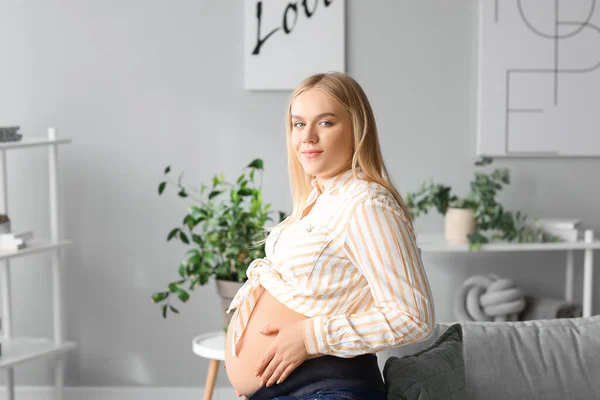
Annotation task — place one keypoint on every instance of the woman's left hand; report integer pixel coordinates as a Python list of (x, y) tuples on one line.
[(284, 355)]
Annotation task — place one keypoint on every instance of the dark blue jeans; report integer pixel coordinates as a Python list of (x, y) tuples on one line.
[(330, 378), (340, 394)]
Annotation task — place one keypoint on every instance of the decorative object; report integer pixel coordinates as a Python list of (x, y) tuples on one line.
[(490, 215), (436, 372), (488, 298), (284, 42), (459, 224), (539, 76), (225, 234), (10, 134)]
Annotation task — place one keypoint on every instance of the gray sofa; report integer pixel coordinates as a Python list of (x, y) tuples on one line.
[(540, 359)]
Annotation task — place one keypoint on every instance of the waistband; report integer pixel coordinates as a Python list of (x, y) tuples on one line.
[(327, 372)]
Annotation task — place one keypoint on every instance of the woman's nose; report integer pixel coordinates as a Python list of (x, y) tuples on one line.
[(310, 134)]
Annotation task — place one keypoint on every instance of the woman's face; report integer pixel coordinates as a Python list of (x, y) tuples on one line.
[(321, 134)]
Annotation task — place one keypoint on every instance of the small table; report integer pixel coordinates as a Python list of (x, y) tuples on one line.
[(212, 346)]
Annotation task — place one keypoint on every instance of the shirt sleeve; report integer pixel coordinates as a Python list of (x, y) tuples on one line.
[(380, 242)]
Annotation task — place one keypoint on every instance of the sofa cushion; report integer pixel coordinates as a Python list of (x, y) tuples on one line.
[(541, 359), (435, 372)]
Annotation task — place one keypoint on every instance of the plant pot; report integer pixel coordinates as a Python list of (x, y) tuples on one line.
[(227, 291), (459, 222), (4, 224)]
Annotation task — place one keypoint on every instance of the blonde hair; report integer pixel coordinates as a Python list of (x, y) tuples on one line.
[(367, 152)]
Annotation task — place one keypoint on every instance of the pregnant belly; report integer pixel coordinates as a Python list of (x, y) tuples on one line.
[(253, 344)]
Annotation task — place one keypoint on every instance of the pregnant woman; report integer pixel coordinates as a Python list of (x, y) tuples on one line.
[(343, 276)]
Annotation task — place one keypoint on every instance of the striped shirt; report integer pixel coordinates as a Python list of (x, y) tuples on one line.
[(351, 265)]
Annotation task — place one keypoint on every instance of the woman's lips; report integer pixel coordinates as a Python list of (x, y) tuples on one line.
[(311, 154)]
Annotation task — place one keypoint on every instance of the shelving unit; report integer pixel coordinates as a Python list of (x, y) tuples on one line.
[(436, 243), (17, 350)]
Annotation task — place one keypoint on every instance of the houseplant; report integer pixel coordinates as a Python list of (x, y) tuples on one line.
[(488, 214), (224, 227)]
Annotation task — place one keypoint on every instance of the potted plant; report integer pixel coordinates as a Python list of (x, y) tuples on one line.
[(467, 219), (224, 228)]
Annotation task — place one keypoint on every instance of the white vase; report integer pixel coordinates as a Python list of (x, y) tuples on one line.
[(459, 222)]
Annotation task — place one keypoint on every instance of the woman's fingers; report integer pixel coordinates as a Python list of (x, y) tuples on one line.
[(269, 370), (287, 372), (268, 357), (277, 373)]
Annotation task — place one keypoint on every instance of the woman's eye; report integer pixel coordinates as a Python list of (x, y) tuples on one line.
[(298, 124), (325, 123)]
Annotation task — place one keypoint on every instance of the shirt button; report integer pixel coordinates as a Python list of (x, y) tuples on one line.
[(309, 229)]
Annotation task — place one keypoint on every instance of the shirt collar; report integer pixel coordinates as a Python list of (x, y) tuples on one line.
[(334, 183)]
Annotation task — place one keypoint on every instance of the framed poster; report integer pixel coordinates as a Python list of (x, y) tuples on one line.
[(539, 78), (286, 41)]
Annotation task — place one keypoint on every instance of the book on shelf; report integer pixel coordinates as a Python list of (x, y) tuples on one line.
[(14, 241), (567, 235), (558, 223)]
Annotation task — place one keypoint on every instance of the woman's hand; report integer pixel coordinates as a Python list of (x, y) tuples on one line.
[(284, 355)]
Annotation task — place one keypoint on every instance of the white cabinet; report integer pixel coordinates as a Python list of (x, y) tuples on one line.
[(16, 350)]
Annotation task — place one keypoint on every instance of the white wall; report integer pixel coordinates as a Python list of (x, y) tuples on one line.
[(140, 84)]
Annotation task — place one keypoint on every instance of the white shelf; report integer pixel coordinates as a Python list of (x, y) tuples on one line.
[(16, 350), (31, 142), (35, 246), (434, 242), (19, 350)]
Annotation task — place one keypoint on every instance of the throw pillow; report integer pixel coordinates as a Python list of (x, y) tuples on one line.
[(436, 372)]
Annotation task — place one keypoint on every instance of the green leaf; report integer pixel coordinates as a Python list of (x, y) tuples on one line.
[(245, 192), (174, 309), (281, 216), (159, 296), (235, 197), (189, 221), (195, 259), (198, 240), (168, 169), (214, 193), (258, 164), (164, 311), (182, 193), (182, 294), (161, 187), (184, 238), (182, 270), (172, 234)]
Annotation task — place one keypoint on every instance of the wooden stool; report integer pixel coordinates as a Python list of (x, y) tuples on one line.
[(212, 346)]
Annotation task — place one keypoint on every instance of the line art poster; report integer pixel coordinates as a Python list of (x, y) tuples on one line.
[(539, 78)]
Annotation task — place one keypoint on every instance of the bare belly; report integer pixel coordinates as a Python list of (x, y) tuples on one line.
[(253, 344)]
